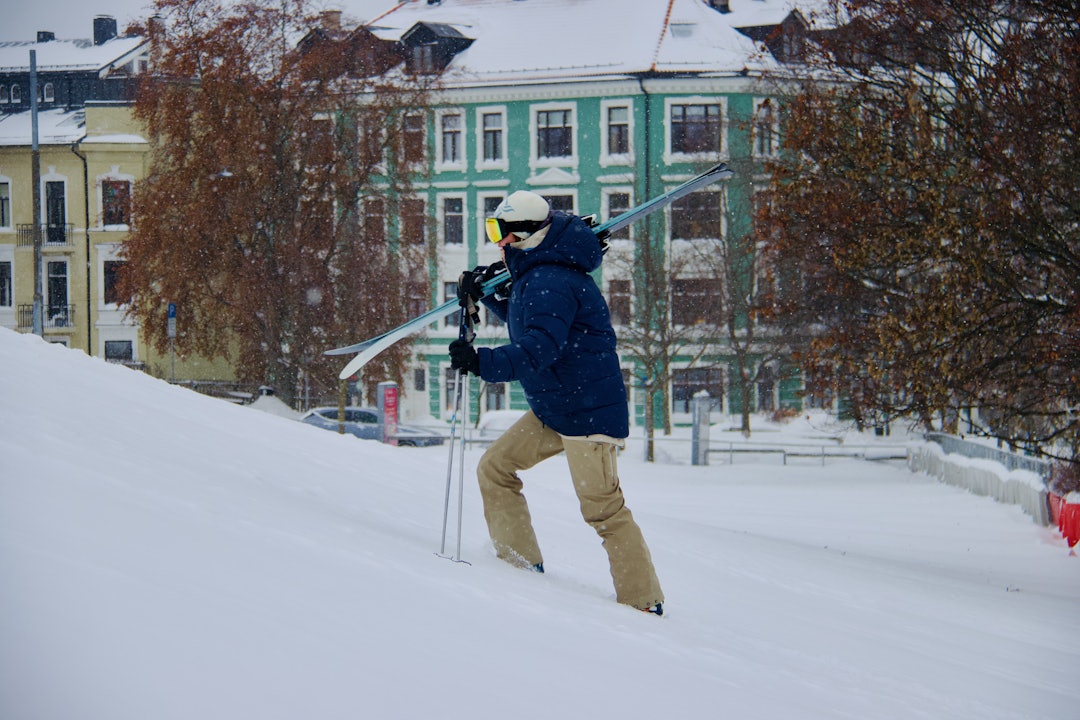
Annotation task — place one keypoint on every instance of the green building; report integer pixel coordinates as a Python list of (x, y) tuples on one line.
[(597, 105)]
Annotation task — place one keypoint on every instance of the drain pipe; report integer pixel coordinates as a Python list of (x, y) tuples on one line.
[(86, 229)]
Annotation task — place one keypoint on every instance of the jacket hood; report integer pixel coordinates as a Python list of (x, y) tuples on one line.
[(569, 242)]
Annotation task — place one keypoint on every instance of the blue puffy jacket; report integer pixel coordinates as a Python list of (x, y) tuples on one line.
[(562, 345)]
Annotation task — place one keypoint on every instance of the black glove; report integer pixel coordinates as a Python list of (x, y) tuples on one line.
[(471, 283), (463, 357)]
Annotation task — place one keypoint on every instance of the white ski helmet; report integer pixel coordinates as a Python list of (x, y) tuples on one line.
[(521, 213)]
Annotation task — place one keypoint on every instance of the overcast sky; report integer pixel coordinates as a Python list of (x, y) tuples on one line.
[(21, 19)]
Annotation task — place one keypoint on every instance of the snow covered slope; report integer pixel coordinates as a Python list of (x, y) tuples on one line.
[(165, 555)]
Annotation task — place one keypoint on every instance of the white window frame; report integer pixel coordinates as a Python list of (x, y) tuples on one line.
[(607, 159), (774, 143), (7, 312), (114, 175), (48, 94), (725, 143), (107, 252), (569, 161), (456, 164), (503, 163), (489, 256), (5, 180), (562, 190), (45, 284), (53, 176), (424, 149), (605, 210), (441, 199)]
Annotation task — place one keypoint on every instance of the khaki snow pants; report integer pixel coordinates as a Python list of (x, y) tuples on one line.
[(596, 480)]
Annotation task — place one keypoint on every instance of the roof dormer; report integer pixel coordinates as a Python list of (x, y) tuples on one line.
[(429, 47)]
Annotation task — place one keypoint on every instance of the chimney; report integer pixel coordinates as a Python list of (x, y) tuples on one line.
[(45, 36), (331, 19), (104, 29)]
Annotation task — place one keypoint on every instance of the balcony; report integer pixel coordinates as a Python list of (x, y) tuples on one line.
[(51, 235), (55, 317)]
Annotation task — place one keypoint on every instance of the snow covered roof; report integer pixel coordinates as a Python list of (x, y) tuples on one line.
[(70, 55), (542, 40), (55, 127)]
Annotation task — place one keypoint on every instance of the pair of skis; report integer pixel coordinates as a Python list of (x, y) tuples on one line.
[(369, 349)]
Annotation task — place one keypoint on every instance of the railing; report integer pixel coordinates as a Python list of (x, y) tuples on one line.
[(58, 316), (1011, 460), (51, 235)]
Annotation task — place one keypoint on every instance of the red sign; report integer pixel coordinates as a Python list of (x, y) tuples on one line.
[(390, 414)]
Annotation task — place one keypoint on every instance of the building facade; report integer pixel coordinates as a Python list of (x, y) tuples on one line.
[(90, 153), (623, 106)]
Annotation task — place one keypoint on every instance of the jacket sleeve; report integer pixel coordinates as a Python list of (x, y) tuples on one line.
[(496, 306), (548, 311)]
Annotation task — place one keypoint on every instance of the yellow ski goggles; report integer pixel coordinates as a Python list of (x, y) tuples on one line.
[(497, 229)]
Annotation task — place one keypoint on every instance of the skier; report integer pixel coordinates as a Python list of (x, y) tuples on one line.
[(562, 351)]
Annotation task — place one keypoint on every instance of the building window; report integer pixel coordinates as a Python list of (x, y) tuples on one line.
[(618, 130), (697, 216), (490, 203), (451, 378), (412, 221), (450, 293), (119, 351), (423, 59), (562, 203), (371, 137), (5, 283), (689, 382), (16, 94), (420, 379), (453, 211), (493, 129), (47, 93), (618, 300), (115, 202), (450, 126), (554, 134), (696, 128), (617, 204), (4, 95), (694, 300), (5, 204), (416, 299), (57, 293), (374, 220), (495, 394), (766, 140), (112, 277), (412, 139)]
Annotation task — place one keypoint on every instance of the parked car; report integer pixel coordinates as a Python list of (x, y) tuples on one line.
[(364, 423), (494, 423)]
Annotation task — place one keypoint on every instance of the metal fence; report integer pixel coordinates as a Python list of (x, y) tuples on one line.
[(1011, 460)]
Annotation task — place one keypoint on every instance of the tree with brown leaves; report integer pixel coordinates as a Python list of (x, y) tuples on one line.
[(263, 214), (927, 209)]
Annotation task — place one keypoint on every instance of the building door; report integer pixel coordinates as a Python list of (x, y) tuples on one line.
[(55, 213), (56, 288)]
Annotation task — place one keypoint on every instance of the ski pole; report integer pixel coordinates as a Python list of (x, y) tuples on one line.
[(450, 462), (461, 392)]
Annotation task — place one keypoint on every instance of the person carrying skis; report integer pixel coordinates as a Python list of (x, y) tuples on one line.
[(562, 351)]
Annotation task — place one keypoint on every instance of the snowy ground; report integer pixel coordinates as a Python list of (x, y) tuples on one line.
[(165, 555)]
